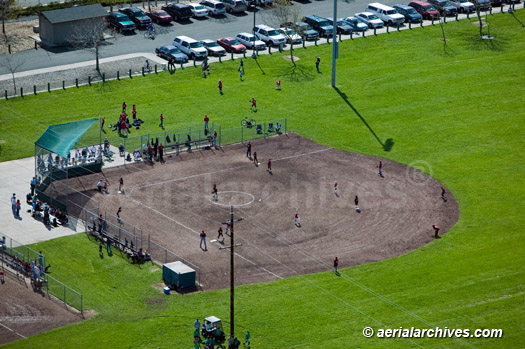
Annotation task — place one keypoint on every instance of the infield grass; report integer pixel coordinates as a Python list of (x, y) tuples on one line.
[(456, 113)]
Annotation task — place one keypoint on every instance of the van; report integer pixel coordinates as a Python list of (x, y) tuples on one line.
[(191, 47), (386, 13), (320, 24), (235, 6), (269, 35), (215, 8)]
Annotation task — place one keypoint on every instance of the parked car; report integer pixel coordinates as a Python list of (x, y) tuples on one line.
[(356, 24), (445, 7), (215, 8), (159, 16), (269, 35), (169, 51), (250, 40), (191, 47), (320, 24), (386, 13), (137, 16), (306, 31), (342, 26), (411, 15), (463, 6), (213, 48), (121, 22), (291, 36), (231, 45), (370, 19), (235, 6), (179, 12), (485, 5), (425, 9), (198, 10)]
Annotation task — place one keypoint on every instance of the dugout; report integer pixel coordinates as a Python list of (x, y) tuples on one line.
[(178, 275), (56, 162)]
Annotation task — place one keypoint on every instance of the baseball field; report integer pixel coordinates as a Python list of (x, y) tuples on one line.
[(455, 114)]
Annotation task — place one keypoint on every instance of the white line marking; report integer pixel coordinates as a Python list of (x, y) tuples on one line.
[(228, 205), (1, 324)]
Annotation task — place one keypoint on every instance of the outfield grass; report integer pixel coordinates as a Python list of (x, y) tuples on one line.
[(456, 112)]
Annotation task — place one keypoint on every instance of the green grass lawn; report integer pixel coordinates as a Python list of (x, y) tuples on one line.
[(456, 112)]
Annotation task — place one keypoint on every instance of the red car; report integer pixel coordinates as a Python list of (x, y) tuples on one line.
[(425, 9), (159, 16), (232, 45)]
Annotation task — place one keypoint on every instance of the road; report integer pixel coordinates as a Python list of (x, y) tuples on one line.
[(208, 28)]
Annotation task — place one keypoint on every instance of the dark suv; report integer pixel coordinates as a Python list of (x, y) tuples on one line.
[(120, 22), (410, 13), (320, 24), (445, 7), (179, 12), (136, 15), (425, 9)]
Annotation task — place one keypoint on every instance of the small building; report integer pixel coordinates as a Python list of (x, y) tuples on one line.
[(178, 275), (57, 26)]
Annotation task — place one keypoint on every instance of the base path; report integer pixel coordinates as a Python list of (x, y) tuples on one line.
[(172, 202)]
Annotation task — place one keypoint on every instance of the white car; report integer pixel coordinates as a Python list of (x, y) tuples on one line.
[(269, 35), (463, 5), (214, 49), (249, 40), (291, 36), (370, 19), (198, 10)]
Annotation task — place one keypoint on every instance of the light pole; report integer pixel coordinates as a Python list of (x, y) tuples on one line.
[(254, 55), (335, 44)]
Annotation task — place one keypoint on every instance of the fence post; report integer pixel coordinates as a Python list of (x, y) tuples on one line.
[(270, 48), (118, 75), (143, 71), (232, 55), (155, 69), (387, 28), (48, 87), (5, 95), (421, 23), (76, 82), (457, 17), (410, 25), (103, 77), (89, 80), (315, 42), (397, 26), (220, 58), (181, 65), (364, 31), (9, 48), (244, 53), (63, 85), (22, 91), (327, 39), (351, 35), (445, 19), (194, 63), (34, 89), (304, 42)]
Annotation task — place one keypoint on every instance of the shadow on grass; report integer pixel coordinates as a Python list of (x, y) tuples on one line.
[(260, 68), (388, 144), (297, 72), (475, 42)]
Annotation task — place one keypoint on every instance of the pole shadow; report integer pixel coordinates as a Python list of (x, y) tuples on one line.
[(388, 144)]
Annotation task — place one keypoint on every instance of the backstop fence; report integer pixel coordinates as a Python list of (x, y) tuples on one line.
[(22, 252)]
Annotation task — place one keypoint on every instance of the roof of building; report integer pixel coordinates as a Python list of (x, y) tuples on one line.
[(59, 139), (74, 13)]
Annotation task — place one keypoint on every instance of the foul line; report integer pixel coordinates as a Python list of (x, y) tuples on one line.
[(225, 170), (21, 335)]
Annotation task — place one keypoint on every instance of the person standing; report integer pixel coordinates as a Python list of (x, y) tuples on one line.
[(32, 184), (215, 139), (118, 213), (197, 324), (436, 231), (203, 240), (247, 338), (215, 193), (380, 167), (443, 194), (335, 189), (255, 161), (13, 204), (18, 207), (102, 122), (161, 117), (270, 166), (161, 153), (241, 74), (248, 151), (336, 264), (206, 121), (150, 153), (254, 105), (220, 87), (123, 107), (297, 220), (317, 62), (109, 241), (134, 113), (241, 65), (100, 249), (121, 185), (219, 235), (356, 202)]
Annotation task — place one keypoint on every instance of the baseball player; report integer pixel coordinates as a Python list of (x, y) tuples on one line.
[(356, 202), (255, 161), (297, 220), (214, 192), (270, 166), (335, 189), (443, 194), (228, 225), (436, 231), (380, 167), (219, 235), (336, 264)]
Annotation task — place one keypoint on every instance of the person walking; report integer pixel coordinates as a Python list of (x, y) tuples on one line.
[(219, 235), (220, 87), (215, 139), (241, 65), (13, 204), (241, 74), (336, 189), (380, 167), (254, 105), (336, 264), (118, 213), (121, 185), (356, 202), (248, 151), (161, 153), (197, 324), (214, 192), (206, 121), (255, 161), (123, 107), (109, 241), (270, 166), (436, 231), (297, 220), (247, 339), (161, 117), (317, 62), (203, 240), (443, 194), (100, 249)]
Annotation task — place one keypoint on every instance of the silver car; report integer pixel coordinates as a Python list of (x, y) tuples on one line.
[(235, 6), (291, 36), (214, 49), (249, 40)]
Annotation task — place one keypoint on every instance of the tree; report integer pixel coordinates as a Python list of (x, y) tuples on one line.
[(284, 14), (477, 7), (6, 7), (13, 64), (89, 35)]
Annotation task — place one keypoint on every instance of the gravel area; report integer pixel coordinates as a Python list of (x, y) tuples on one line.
[(18, 36), (69, 76)]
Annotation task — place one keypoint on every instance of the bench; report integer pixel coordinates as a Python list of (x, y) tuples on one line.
[(208, 142)]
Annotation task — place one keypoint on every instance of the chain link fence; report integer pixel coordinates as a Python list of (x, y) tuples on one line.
[(253, 130)]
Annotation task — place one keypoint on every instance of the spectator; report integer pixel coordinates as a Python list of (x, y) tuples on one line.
[(220, 87), (161, 117), (33, 186), (99, 185), (215, 139), (206, 120), (161, 153), (13, 204)]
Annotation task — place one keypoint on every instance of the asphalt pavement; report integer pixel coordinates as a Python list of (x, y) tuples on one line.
[(207, 28)]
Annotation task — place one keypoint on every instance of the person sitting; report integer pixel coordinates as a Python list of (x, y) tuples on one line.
[(140, 255), (278, 128), (29, 199), (52, 210), (270, 127), (136, 155), (105, 188), (99, 185)]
